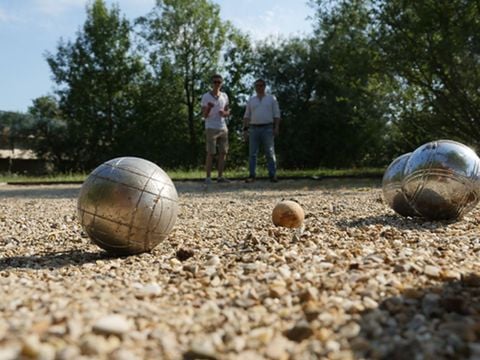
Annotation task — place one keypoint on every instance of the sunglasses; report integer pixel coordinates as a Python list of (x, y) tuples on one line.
[(217, 82)]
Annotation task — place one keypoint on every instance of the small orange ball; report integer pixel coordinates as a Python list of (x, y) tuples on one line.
[(288, 214)]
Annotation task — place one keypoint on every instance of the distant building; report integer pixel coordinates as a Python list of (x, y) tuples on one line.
[(21, 161)]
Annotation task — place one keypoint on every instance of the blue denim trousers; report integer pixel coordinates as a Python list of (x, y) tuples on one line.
[(262, 136)]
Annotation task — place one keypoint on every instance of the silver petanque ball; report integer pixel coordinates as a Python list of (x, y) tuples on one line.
[(441, 180), (392, 187), (128, 205)]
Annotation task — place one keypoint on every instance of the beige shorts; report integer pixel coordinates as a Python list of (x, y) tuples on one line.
[(217, 137)]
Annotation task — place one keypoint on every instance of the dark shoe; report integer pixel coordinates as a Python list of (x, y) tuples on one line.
[(222, 180), (250, 180), (274, 179)]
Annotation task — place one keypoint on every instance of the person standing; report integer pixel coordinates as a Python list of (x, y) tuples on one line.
[(215, 108), (261, 124)]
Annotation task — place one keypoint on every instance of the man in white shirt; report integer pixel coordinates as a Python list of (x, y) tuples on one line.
[(260, 125), (215, 109)]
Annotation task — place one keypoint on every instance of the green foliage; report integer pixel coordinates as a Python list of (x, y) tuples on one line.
[(376, 79), (286, 66), (15, 130), (433, 47), (98, 79), (189, 35), (50, 133), (160, 133), (332, 98), (239, 67)]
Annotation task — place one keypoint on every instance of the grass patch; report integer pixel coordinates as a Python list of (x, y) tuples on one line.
[(54, 178), (200, 174)]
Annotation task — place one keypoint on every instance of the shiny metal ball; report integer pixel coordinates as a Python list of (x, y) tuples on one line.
[(441, 180), (392, 187), (128, 205)]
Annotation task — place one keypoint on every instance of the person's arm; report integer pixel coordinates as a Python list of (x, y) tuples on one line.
[(226, 110), (246, 120), (206, 109), (276, 117), (246, 123), (206, 105), (246, 116), (276, 126)]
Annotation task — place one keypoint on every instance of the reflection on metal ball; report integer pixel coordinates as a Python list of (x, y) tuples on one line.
[(441, 180), (392, 187), (128, 205)]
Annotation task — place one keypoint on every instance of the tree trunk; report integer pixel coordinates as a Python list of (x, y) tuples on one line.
[(193, 139), (191, 120)]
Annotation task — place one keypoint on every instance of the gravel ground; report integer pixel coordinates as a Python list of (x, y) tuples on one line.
[(357, 282)]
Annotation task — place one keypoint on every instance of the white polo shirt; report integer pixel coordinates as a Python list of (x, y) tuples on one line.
[(262, 110), (214, 120)]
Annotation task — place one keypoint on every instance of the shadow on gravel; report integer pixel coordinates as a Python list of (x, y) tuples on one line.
[(394, 221), (199, 187), (44, 192), (53, 260), (282, 185), (428, 323)]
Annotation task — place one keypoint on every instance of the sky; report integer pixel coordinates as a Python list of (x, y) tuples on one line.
[(30, 28)]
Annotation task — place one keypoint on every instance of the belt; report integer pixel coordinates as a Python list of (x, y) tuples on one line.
[(261, 125)]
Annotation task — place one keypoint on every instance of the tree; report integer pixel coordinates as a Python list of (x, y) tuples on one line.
[(190, 35), (356, 91), (432, 49), (98, 84), (332, 98), (15, 130), (50, 133), (159, 132), (239, 65), (286, 65)]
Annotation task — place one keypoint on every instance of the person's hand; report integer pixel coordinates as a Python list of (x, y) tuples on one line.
[(210, 105), (245, 135), (223, 113), (276, 131)]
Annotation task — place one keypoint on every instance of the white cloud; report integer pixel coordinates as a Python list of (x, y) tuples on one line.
[(138, 3), (134, 8), (58, 7), (6, 17), (3, 16), (55, 8), (273, 22), (268, 16)]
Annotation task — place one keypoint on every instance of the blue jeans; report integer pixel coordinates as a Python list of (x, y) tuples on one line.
[(264, 136)]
